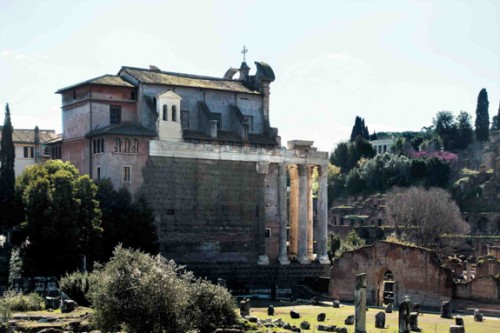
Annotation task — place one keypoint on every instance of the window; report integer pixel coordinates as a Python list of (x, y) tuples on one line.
[(267, 233), (185, 119), (56, 152), (165, 112), (174, 113), (127, 146), (118, 145), (249, 121), (218, 117), (98, 173), (97, 146), (115, 114), (29, 152), (126, 174), (135, 146), (74, 93), (132, 95)]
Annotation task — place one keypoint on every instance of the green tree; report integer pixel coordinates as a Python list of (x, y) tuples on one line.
[(350, 243), (359, 129), (446, 129), (124, 221), (465, 133), (482, 123), (62, 215), (340, 157), (150, 294), (7, 172), (386, 170)]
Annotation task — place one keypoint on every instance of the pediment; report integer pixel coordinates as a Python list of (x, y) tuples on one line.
[(169, 94)]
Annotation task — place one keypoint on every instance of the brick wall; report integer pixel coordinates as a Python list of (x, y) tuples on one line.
[(211, 210), (417, 273)]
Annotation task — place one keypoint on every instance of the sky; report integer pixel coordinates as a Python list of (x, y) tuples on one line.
[(394, 63)]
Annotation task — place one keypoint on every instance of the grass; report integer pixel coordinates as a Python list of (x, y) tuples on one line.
[(431, 323)]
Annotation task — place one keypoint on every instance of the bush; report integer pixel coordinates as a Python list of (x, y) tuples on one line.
[(76, 285), (211, 306), (19, 302), (150, 294)]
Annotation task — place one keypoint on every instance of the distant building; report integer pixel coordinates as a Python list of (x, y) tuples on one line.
[(31, 146), (383, 145)]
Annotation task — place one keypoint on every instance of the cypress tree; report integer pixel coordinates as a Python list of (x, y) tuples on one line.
[(359, 129), (482, 123), (7, 173)]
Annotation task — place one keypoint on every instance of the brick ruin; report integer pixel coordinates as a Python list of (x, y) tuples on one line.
[(415, 272), (395, 271)]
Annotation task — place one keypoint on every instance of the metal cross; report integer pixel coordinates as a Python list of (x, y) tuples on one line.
[(244, 51)]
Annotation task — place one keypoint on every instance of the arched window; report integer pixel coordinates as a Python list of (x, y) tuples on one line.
[(102, 145), (135, 146), (127, 146), (174, 113), (118, 145), (165, 111)]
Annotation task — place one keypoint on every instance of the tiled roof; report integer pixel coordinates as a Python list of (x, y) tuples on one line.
[(28, 135), (125, 128), (107, 80), (186, 80)]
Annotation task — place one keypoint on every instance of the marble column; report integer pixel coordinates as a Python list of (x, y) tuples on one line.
[(283, 217), (302, 255), (294, 212), (323, 215), (310, 214), (263, 170), (360, 304)]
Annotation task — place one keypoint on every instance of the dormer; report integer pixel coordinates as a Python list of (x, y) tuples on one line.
[(168, 106)]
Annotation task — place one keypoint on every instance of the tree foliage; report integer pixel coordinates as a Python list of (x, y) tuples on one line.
[(126, 222), (422, 216), (350, 243), (62, 215), (347, 154), (482, 123), (465, 131), (455, 133), (385, 171), (150, 294), (7, 173), (359, 129)]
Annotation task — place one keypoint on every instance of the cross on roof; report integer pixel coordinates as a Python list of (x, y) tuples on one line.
[(244, 51)]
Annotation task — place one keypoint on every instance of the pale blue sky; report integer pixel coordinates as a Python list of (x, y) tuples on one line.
[(395, 63)]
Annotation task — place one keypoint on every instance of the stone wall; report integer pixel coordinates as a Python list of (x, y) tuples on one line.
[(417, 273), (212, 210), (485, 288), (240, 276)]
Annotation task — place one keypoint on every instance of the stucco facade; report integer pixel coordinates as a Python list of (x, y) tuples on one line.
[(30, 146)]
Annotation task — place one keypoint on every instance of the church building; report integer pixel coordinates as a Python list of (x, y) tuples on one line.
[(224, 191)]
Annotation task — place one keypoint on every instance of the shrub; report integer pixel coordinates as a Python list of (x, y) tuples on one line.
[(19, 302), (211, 306), (76, 285), (145, 293)]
